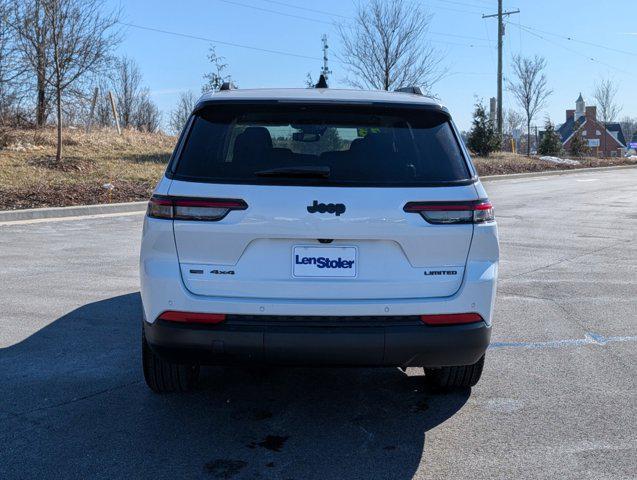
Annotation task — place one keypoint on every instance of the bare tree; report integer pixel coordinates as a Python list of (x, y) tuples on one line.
[(128, 90), (218, 76), (513, 122), (604, 94), (179, 116), (81, 38), (629, 128), (32, 40), (147, 116), (386, 47), (512, 127), (529, 88), (11, 71)]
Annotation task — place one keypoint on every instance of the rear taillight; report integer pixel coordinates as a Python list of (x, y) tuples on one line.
[(180, 208), (451, 319), (192, 317), (479, 211)]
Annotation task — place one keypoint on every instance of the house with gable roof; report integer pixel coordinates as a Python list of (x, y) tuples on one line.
[(602, 139)]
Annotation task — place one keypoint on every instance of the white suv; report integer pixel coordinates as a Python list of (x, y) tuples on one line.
[(318, 227)]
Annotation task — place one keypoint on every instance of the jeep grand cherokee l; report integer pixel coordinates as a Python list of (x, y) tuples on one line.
[(318, 227)]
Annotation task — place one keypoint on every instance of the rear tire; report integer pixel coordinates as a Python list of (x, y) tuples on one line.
[(462, 376), (165, 377)]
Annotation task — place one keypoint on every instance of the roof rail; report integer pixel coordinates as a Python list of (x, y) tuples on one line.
[(413, 89), (227, 86), (322, 82)]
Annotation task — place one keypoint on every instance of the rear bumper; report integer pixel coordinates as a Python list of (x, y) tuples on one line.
[(162, 287), (379, 341)]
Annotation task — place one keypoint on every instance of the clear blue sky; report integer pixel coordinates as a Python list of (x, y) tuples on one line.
[(171, 64)]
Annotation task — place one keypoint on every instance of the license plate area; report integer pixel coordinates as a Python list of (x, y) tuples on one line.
[(324, 262)]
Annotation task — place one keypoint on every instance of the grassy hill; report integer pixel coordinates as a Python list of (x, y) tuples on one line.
[(30, 177), (133, 163)]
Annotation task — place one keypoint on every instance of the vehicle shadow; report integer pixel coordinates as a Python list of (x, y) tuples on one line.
[(74, 403)]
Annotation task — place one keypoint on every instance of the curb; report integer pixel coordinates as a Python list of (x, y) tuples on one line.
[(133, 207), (490, 178), (76, 211)]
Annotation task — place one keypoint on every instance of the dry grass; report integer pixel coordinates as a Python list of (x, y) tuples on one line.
[(503, 162), (30, 177), (133, 163)]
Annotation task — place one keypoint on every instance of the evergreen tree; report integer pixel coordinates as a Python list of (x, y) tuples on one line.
[(577, 148), (483, 137), (551, 144)]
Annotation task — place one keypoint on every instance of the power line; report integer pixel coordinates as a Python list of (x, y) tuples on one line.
[(588, 57), (457, 10), (490, 3), (231, 2), (460, 36), (221, 42), (322, 12), (254, 7), (248, 47), (470, 45), (570, 38), (332, 14), (469, 73), (486, 30), (453, 2)]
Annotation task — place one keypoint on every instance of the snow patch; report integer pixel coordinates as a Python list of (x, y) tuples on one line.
[(563, 161)]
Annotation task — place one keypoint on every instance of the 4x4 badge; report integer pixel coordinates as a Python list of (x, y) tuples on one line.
[(336, 208)]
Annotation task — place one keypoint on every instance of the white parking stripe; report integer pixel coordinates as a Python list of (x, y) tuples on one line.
[(589, 339)]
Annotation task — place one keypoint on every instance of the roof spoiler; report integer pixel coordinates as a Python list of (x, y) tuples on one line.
[(227, 86), (413, 89)]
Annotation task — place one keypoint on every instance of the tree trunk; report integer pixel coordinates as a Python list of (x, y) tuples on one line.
[(386, 79), (58, 88), (41, 87), (40, 116), (58, 101), (528, 138), (41, 103)]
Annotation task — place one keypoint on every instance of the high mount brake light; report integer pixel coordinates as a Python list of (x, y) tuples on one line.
[(192, 317), (180, 208), (451, 319), (479, 211)]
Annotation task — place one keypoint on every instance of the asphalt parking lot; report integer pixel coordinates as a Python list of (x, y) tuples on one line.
[(558, 398)]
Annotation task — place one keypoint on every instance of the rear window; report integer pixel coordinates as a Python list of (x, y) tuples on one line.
[(321, 145)]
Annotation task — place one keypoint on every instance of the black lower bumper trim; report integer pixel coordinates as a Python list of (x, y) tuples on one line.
[(356, 341)]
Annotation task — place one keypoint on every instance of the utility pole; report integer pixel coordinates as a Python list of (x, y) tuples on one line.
[(325, 71), (500, 15)]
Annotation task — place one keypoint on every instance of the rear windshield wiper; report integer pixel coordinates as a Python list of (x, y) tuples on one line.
[(295, 172)]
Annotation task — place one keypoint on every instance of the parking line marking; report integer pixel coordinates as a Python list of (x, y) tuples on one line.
[(590, 338)]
